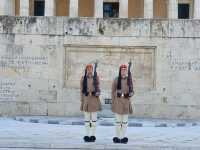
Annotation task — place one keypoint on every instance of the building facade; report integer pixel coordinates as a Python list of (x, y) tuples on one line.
[(171, 9), (45, 45)]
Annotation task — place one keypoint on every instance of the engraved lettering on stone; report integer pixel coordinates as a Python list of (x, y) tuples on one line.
[(21, 62), (7, 91), (178, 63)]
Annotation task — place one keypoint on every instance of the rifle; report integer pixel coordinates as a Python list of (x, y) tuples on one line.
[(95, 82), (84, 90), (130, 83)]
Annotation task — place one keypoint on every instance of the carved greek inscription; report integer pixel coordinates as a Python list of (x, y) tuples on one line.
[(21, 62), (178, 63), (7, 91)]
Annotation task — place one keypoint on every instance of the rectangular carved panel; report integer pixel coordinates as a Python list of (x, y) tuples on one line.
[(110, 58)]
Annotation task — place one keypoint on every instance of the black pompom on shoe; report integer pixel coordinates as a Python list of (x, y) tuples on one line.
[(86, 138), (116, 140), (92, 139), (124, 140)]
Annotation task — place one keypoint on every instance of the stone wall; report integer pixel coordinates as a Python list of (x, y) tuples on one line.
[(43, 58)]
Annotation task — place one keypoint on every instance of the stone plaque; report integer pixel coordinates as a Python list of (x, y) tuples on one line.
[(110, 58)]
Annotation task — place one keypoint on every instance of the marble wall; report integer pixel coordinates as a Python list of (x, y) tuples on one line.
[(43, 58)]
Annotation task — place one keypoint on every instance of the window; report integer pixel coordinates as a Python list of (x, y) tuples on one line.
[(135, 8), (160, 8), (183, 11), (39, 6), (111, 9), (17, 7), (86, 8), (62, 7)]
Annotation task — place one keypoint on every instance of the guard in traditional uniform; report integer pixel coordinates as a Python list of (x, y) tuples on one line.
[(90, 102), (122, 91)]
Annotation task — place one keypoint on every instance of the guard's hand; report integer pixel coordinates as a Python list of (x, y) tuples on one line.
[(97, 94), (81, 107), (131, 94)]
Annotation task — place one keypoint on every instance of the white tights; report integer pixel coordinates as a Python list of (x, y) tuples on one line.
[(121, 123), (90, 123)]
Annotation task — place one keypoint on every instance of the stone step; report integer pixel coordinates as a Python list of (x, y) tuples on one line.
[(110, 121)]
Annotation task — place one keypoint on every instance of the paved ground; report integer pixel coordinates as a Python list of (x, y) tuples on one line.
[(21, 135)]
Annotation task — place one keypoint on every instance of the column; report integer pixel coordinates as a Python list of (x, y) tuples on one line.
[(7, 7), (11, 7), (49, 7), (73, 8), (173, 9), (148, 8), (196, 9), (123, 8), (98, 8), (2, 7), (24, 7)]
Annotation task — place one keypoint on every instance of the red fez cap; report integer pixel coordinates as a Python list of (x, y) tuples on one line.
[(123, 66), (89, 66)]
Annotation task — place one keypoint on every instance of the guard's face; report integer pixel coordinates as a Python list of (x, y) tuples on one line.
[(89, 70), (123, 72)]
